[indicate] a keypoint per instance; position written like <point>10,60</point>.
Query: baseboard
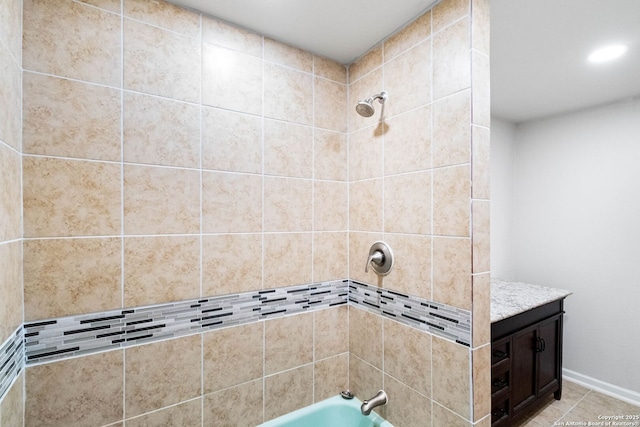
<point>620,393</point>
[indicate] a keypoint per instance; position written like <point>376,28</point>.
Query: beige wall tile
<point>287,259</point>
<point>331,332</point>
<point>146,188</point>
<point>330,205</point>
<point>407,203</point>
<point>63,277</point>
<point>161,62</point>
<point>227,35</point>
<point>288,342</point>
<point>240,406</point>
<point>288,94</point>
<point>480,25</point>
<point>231,263</point>
<point>231,79</point>
<point>364,379</point>
<point>444,417</point>
<point>231,202</point>
<point>82,403</point>
<point>481,237</point>
<point>280,53</point>
<point>365,336</point>
<point>359,244</point>
<point>451,59</point>
<point>110,5</point>
<point>481,89</point>
<point>366,205</point>
<point>406,407</point>
<point>162,373</point>
<point>407,355</point>
<point>11,27</point>
<point>452,130</point>
<point>481,162</point>
<point>366,63</point>
<point>411,273</point>
<point>359,90</point>
<point>414,33</point>
<point>481,382</point>
<point>12,406</point>
<point>330,255</point>
<point>70,197</point>
<point>69,39</point>
<point>188,414</point>
<point>161,269</point>
<point>365,154</point>
<point>11,290</point>
<point>288,391</point>
<point>407,79</point>
<point>449,11</point>
<point>451,201</point>
<point>330,155</point>
<point>165,15</point>
<point>231,141</point>
<point>452,271</point>
<point>10,99</point>
<point>288,204</point>
<point>232,356</point>
<point>329,69</point>
<point>330,377</point>
<point>160,131</point>
<point>10,194</point>
<point>407,142</point>
<point>451,386</point>
<point>481,309</point>
<point>330,105</point>
<point>70,119</point>
<point>288,149</point>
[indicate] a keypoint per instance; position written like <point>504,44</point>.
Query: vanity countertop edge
<point>512,298</point>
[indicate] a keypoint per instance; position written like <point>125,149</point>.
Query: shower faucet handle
<point>380,258</point>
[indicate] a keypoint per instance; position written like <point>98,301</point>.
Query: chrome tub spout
<point>378,400</point>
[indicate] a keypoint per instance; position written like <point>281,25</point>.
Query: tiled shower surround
<point>152,155</point>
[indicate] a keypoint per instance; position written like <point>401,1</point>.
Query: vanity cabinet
<point>526,361</point>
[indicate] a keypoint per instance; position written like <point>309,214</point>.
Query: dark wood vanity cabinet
<point>526,361</point>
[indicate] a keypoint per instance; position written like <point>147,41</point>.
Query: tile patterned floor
<point>579,406</point>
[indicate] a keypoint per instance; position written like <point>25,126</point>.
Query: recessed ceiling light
<point>608,53</point>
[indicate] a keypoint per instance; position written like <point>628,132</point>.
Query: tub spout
<point>378,400</point>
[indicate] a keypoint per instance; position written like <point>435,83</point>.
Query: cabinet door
<point>523,369</point>
<point>548,357</point>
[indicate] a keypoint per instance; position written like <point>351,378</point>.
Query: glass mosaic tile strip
<point>11,360</point>
<point>436,318</point>
<point>71,336</point>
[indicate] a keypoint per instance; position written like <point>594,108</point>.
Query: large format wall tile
<point>239,406</point>
<point>70,39</point>
<point>63,277</point>
<point>10,198</point>
<point>287,343</point>
<point>287,391</point>
<point>288,94</point>
<point>231,263</point>
<point>78,400</point>
<point>412,365</point>
<point>330,251</point>
<point>451,386</point>
<point>288,149</point>
<point>231,203</point>
<point>223,34</point>
<point>10,99</point>
<point>407,79</point>
<point>70,197</point>
<point>12,405</point>
<point>11,289</point>
<point>330,377</point>
<point>165,15</point>
<point>188,414</point>
<point>70,119</point>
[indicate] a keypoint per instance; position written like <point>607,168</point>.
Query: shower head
<point>365,108</point>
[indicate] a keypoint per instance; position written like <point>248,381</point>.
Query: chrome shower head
<point>365,108</point>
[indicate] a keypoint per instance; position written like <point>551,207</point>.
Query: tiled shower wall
<point>419,180</point>
<point>11,406</point>
<point>168,156</point>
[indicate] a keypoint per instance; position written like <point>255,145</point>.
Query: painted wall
<point>166,153</point>
<point>11,306</point>
<point>575,227</point>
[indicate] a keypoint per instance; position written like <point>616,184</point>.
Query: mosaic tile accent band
<point>11,360</point>
<point>439,319</point>
<point>91,333</point>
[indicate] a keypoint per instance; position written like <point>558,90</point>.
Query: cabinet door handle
<point>499,354</point>
<point>544,344</point>
<point>499,412</point>
<point>539,345</point>
<point>500,383</point>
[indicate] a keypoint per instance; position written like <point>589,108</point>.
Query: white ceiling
<point>538,47</point>
<point>539,55</point>
<point>339,29</point>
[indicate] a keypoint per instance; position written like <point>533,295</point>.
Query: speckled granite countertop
<point>511,298</point>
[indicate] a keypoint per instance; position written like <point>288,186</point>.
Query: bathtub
<point>333,412</point>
